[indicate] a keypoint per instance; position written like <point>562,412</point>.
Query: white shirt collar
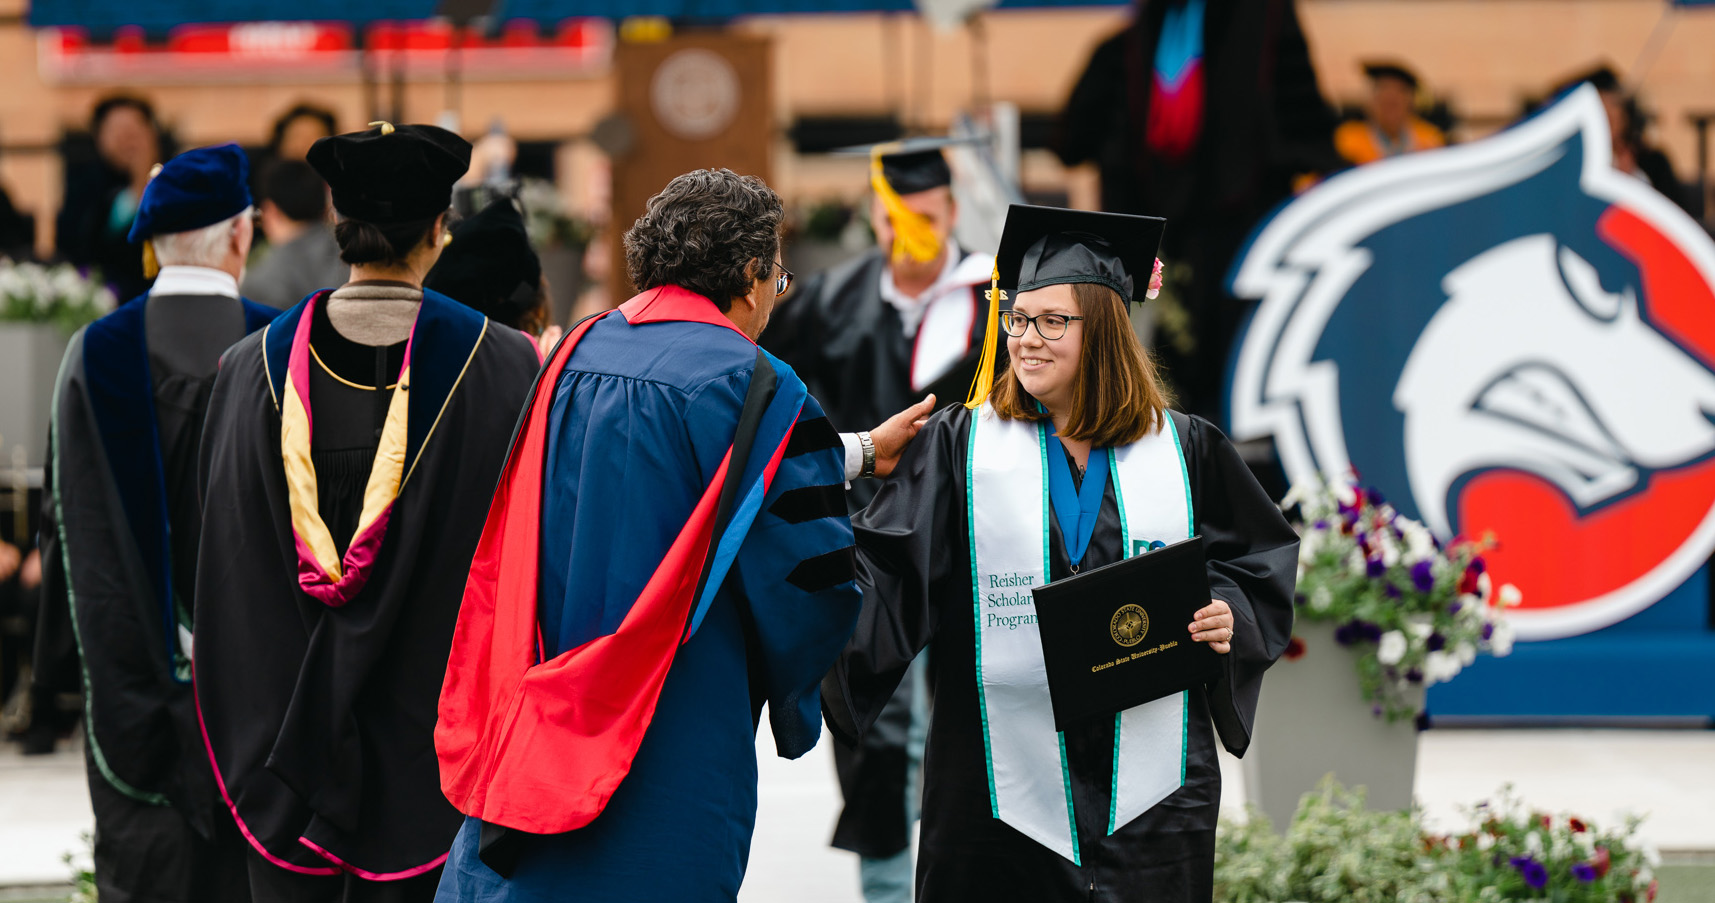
<point>183,280</point>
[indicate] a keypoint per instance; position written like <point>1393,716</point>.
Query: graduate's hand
<point>896,432</point>
<point>1214,625</point>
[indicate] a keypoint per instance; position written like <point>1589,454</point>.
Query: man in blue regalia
<point>668,550</point>
<point>120,533</point>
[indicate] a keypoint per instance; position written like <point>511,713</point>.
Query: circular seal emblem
<point>1129,625</point>
<point>694,94</point>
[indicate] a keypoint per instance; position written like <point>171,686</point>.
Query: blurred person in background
<point>1203,112</point>
<point>1633,152</point>
<point>120,530</point>
<point>102,192</point>
<point>301,255</point>
<point>491,267</point>
<point>871,337</point>
<point>1390,126</point>
<point>350,455</point>
<point>298,129</point>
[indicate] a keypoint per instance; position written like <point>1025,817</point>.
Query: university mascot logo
<point>1507,336</point>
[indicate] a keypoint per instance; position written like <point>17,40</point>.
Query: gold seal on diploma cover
<point>1129,625</point>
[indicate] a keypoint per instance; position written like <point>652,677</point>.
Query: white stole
<point>1006,480</point>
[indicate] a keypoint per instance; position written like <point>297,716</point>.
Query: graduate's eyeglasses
<point>782,280</point>
<point>1048,326</point>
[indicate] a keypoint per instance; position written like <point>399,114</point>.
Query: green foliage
<point>1337,851</point>
<point>82,879</point>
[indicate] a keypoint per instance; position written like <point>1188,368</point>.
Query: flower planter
<point>1312,720</point>
<point>30,356</point>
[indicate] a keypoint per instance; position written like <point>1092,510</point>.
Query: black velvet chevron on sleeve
<point>812,435</point>
<point>808,503</point>
<point>824,571</point>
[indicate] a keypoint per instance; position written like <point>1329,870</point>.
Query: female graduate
<point>1069,462</point>
<point>349,458</point>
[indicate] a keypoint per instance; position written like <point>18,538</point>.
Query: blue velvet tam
<point>197,188</point>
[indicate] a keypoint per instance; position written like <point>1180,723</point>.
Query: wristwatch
<point>868,454</point>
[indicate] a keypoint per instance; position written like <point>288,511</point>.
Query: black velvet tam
<point>490,265</point>
<point>391,174</point>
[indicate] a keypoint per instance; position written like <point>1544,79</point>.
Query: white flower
<point>1391,648</point>
<point>1510,595</point>
<point>1300,492</point>
<point>1440,667</point>
<point>1355,562</point>
<point>1308,545</point>
<point>1501,642</point>
<point>1320,598</point>
<point>1533,843</point>
<point>1586,841</point>
<point>1652,855</point>
<point>1466,653</point>
<point>1343,491</point>
<point>1485,841</point>
<point>1420,626</point>
<point>1483,587</point>
<point>1388,548</point>
<point>1419,544</point>
<point>1559,847</point>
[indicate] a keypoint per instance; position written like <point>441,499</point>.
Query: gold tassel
<point>385,126</point>
<point>151,266</point>
<point>913,234</point>
<point>984,382</point>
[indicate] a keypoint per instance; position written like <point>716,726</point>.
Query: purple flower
<point>1584,872</point>
<point>1392,591</point>
<point>1488,632</point>
<point>1321,525</point>
<point>1299,599</point>
<point>1532,871</point>
<point>1422,577</point>
<point>1368,631</point>
<point>1437,642</point>
<point>1375,498</point>
<point>1345,634</point>
<point>1414,675</point>
<point>1454,607</point>
<point>1374,567</point>
<point>1477,565</point>
<point>1421,722</point>
<point>1376,710</point>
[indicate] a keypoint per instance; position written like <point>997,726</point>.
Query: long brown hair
<point>1117,399</point>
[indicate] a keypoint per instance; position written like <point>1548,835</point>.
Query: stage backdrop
<point>1512,337</point>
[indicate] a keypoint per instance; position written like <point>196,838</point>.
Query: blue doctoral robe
<point>641,419</point>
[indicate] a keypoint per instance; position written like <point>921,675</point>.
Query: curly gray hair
<point>705,232</point>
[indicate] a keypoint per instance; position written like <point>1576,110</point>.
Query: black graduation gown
<point>120,530</point>
<point>915,570</point>
<point>849,346</point>
<point>321,719</point>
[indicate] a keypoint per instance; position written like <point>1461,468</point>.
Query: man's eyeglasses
<point>782,280</point>
<point>1048,326</point>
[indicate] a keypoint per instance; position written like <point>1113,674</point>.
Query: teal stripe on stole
<point>977,604</point>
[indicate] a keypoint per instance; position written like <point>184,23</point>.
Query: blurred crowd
<point>1206,112</point>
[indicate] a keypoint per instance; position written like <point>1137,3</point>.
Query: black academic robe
<point>849,346</point>
<point>120,527</point>
<point>915,570</point>
<point>320,719</point>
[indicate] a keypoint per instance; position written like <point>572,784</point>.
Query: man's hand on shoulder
<point>896,432</point>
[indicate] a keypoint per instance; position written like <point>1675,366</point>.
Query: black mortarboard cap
<point>1391,70</point>
<point>1044,246</point>
<point>490,266</point>
<point>913,164</point>
<point>391,174</point>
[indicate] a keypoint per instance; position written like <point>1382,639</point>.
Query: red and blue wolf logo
<point>1507,336</point>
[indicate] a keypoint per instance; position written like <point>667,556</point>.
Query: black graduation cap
<point>391,174</point>
<point>490,265</point>
<point>1397,71</point>
<point>913,164</point>
<point>1043,246</point>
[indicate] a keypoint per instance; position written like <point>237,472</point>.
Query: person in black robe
<point>120,535</point>
<point>491,267</point>
<point>1212,158</point>
<point>871,337</point>
<point>916,569</point>
<point>335,547</point>
<point>105,175</point>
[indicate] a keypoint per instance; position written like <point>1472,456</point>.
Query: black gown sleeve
<point>905,538</point>
<point>1253,567</point>
<point>1084,125</point>
<point>55,646</point>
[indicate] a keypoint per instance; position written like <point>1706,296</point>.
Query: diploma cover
<point>1114,637</point>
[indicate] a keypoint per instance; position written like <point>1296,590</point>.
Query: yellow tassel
<point>913,234</point>
<point>151,266</point>
<point>984,382</point>
<point>386,127</point>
